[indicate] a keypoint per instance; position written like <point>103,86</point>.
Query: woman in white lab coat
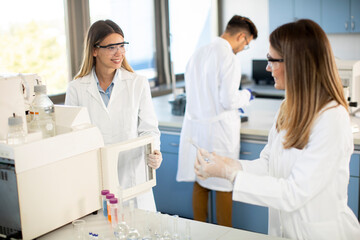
<point>118,100</point>
<point>302,174</point>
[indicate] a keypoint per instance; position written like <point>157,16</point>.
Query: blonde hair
<point>96,33</point>
<point>311,79</point>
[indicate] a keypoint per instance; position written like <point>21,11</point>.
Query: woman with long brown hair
<point>302,174</point>
<point>118,100</point>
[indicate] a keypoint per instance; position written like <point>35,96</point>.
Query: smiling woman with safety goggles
<point>118,101</point>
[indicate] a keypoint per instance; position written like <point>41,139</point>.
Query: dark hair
<point>238,23</point>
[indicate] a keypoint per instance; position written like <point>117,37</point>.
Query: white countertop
<point>261,113</point>
<point>199,230</point>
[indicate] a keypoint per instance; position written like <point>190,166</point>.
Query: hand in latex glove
<point>251,94</point>
<point>155,159</point>
<point>212,165</point>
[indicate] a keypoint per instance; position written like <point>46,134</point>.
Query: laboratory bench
<point>97,223</point>
<point>174,197</point>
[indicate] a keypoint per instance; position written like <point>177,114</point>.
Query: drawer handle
<point>174,144</point>
<point>245,153</point>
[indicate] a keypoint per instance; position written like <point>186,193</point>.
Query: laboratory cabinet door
<point>335,16</point>
<point>354,184</point>
<point>247,216</point>
<point>280,12</point>
<point>355,16</point>
<point>353,195</point>
<point>172,197</point>
<point>309,9</point>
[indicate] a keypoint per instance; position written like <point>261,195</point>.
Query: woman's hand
<point>212,165</point>
<point>154,159</point>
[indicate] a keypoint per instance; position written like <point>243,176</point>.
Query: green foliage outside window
<point>35,48</point>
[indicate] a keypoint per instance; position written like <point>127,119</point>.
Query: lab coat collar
<point>224,42</point>
<point>93,88</point>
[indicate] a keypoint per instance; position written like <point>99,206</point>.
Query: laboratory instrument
<point>108,197</point>
<point>114,211</point>
<point>79,229</point>
<point>16,94</point>
<point>32,174</point>
<point>42,113</point>
<point>16,134</point>
<point>349,71</point>
<point>103,200</point>
<point>208,160</point>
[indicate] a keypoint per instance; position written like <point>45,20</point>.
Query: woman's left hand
<point>155,159</point>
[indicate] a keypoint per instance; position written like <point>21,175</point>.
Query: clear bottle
<point>16,133</point>
<point>42,113</point>
<point>103,201</point>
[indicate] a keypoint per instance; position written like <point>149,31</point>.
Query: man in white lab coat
<point>212,81</point>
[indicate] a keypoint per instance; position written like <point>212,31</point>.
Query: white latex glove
<point>216,166</point>
<point>154,159</point>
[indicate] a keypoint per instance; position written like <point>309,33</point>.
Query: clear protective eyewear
<point>273,63</point>
<point>113,48</point>
<point>246,47</point>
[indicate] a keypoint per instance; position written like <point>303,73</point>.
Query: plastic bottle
<point>16,133</point>
<point>103,201</point>
<point>108,197</point>
<point>114,212</point>
<point>42,112</point>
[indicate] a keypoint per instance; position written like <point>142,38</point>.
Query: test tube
<point>120,204</point>
<point>108,197</point>
<point>103,201</point>
<point>114,212</point>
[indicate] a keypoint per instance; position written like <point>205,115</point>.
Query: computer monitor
<point>259,73</point>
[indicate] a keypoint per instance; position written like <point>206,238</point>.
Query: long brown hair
<point>96,33</point>
<point>311,78</point>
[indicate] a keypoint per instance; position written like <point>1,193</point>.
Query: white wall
<point>345,46</point>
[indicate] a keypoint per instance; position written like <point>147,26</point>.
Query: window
<point>192,25</point>
<point>136,19</point>
<point>33,41</point>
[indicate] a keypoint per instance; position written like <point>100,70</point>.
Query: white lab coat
<point>129,114</point>
<point>212,120</point>
<point>305,190</point>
